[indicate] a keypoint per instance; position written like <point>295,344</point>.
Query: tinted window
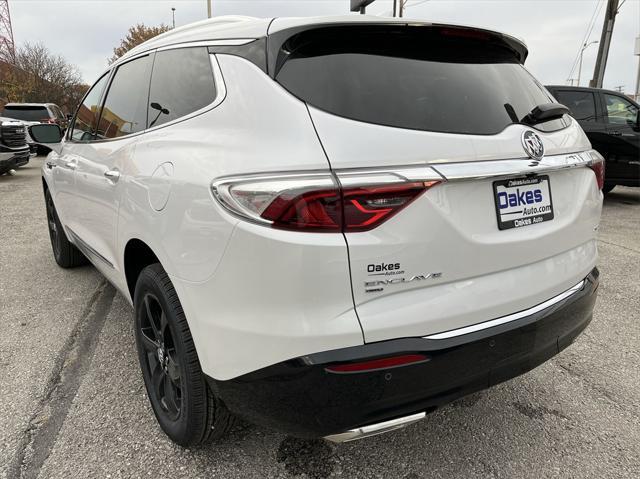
<point>581,103</point>
<point>26,113</point>
<point>182,82</point>
<point>85,120</point>
<point>422,78</point>
<point>619,110</point>
<point>58,112</point>
<point>125,108</point>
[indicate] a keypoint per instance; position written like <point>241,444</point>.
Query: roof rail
<point>221,20</point>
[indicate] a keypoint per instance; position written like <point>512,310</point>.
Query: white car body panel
<point>255,296</point>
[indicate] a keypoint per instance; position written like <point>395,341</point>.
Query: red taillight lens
<point>367,207</point>
<point>310,211</point>
<point>362,208</point>
<point>374,364</point>
<point>598,169</point>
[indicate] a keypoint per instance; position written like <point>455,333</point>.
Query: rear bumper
<point>300,397</point>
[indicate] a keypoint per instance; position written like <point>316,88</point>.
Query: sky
<point>86,31</point>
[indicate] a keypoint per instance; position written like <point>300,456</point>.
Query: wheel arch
<point>137,256</point>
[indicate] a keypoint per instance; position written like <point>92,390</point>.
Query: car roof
<point>237,28</point>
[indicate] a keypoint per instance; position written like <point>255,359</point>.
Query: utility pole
<point>584,47</point>
<point>401,6</point>
<point>173,16</point>
<point>360,5</point>
<point>605,42</point>
<point>208,8</point>
<point>636,52</point>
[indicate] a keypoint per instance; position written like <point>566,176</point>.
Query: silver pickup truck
<point>14,151</point>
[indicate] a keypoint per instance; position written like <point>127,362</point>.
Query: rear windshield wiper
<point>545,112</point>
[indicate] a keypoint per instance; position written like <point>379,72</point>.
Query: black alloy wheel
<point>64,252</point>
<point>186,409</point>
<point>161,357</point>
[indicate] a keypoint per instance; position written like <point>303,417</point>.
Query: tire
<point>608,187</point>
<point>64,252</point>
<point>182,402</point>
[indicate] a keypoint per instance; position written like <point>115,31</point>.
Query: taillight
<point>596,163</point>
<point>376,364</point>
<point>348,202</point>
<point>310,211</point>
<point>367,207</point>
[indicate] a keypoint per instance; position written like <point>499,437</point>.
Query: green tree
<point>135,36</point>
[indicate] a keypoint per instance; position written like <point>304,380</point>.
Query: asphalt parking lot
<point>72,401</point>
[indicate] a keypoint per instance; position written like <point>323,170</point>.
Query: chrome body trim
<point>509,318</point>
<point>354,177</point>
<point>375,429</point>
<point>494,169</point>
<point>88,250</point>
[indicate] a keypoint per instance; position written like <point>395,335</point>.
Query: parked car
<point>612,124</point>
<point>33,113</point>
<point>36,112</point>
<point>328,226</point>
<point>14,151</point>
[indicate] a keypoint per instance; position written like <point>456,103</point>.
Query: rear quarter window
<point>181,83</point>
<point>422,78</point>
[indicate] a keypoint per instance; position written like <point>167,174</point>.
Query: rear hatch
<point>498,230</point>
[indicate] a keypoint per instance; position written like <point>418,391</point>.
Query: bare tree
<point>42,77</point>
<point>135,36</point>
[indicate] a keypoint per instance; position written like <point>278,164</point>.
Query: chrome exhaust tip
<point>375,429</point>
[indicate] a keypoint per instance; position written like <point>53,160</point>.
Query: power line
<point>590,26</point>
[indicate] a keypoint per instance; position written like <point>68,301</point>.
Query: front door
<point>63,166</point>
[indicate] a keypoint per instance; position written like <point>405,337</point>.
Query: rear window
<point>26,113</point>
<point>424,78</point>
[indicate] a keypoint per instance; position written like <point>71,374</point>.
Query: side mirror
<point>46,133</point>
<point>69,117</point>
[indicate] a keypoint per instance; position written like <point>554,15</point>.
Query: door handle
<point>615,133</point>
<point>112,175</point>
<point>71,164</point>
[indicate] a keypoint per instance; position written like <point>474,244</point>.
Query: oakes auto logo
<point>519,198</point>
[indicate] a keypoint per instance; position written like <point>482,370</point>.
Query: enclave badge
<point>533,145</point>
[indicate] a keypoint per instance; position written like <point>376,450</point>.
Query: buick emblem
<point>532,144</point>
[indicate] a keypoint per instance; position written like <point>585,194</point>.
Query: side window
<point>125,108</point>
<point>619,110</point>
<point>581,103</point>
<point>182,82</point>
<point>85,121</point>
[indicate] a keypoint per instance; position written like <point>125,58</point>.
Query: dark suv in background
<point>41,112</point>
<point>611,122</point>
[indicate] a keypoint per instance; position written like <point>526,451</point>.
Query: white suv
<point>328,226</point>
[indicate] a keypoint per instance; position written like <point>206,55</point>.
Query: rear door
<point>98,187</point>
<point>442,107</point>
<point>623,162</point>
